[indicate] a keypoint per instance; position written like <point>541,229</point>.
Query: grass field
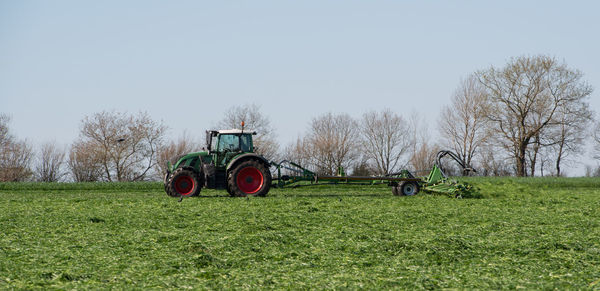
<point>536,233</point>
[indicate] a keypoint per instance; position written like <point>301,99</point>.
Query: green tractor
<point>228,163</point>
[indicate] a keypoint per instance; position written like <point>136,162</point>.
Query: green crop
<point>533,233</point>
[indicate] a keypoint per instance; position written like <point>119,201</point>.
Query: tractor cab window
<point>246,142</point>
<point>233,142</point>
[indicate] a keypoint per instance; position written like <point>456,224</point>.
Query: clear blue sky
<point>185,62</point>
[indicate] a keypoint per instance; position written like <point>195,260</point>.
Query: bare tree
<point>561,139</point>
<point>423,157</point>
<point>591,171</point>
<point>568,135</point>
<point>362,167</point>
<point>386,138</point>
<point>298,152</point>
<point>532,153</point>
<point>332,143</point>
<point>15,155</point>
<point>588,171</point>
<point>424,150</point>
<point>85,162</point>
<point>463,124</point>
<point>265,141</point>
<point>15,161</point>
<point>126,145</point>
<point>5,136</point>
<point>184,144</point>
<point>596,141</point>
<point>49,164</point>
<point>546,161</point>
<point>492,162</point>
<point>524,98</point>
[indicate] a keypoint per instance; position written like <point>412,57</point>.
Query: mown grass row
<point>489,183</point>
<point>94,186</point>
<point>530,233</point>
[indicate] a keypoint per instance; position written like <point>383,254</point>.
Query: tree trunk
<point>467,163</point>
<point>533,162</point>
<point>536,149</point>
<point>520,159</point>
<point>558,159</point>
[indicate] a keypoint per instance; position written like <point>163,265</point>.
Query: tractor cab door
<point>228,146</point>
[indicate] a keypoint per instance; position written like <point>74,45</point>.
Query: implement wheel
<point>249,178</point>
<point>183,182</point>
<point>406,188</point>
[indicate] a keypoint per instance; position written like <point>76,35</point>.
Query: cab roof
<point>233,131</point>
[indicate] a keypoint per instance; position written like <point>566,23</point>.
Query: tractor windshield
<point>233,142</point>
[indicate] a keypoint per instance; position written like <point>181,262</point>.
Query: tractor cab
<point>223,145</point>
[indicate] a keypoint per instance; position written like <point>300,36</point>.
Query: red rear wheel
<point>250,180</point>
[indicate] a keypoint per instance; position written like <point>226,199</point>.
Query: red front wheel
<point>183,182</point>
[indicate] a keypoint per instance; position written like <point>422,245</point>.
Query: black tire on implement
<point>184,182</point>
<point>395,190</point>
<point>249,178</point>
<point>406,188</point>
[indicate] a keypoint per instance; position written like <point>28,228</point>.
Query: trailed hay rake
<point>403,183</point>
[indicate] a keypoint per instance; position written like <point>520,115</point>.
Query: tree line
<point>529,117</point>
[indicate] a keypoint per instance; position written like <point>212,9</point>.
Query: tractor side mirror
<point>208,140</point>
<point>209,136</point>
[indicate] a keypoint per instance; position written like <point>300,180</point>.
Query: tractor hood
<point>188,160</point>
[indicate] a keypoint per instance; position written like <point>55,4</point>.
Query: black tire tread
<point>165,183</point>
<point>396,190</point>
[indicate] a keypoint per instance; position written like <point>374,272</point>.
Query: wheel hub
<point>409,189</point>
<point>184,185</point>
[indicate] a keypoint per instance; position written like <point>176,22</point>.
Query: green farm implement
<point>403,183</point>
<point>230,163</point>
